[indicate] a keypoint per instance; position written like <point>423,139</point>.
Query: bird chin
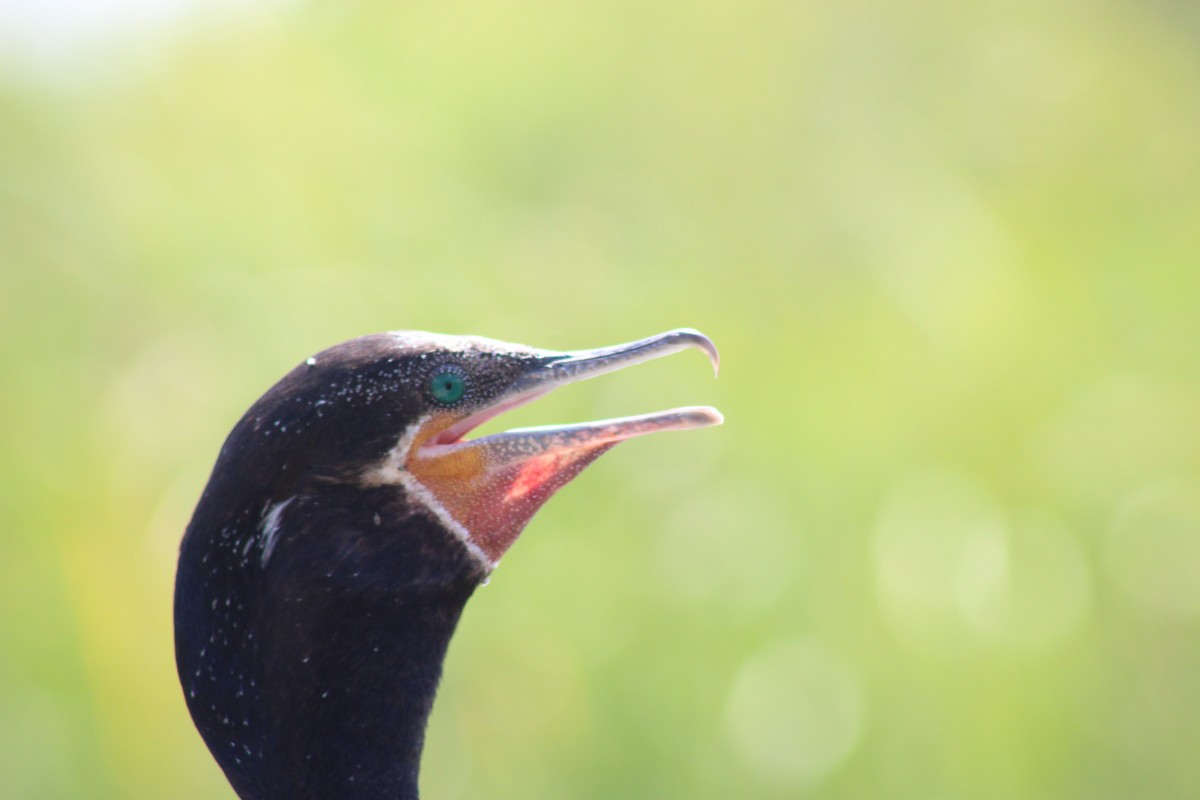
<point>492,486</point>
<point>491,494</point>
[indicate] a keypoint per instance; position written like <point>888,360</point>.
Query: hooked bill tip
<point>698,340</point>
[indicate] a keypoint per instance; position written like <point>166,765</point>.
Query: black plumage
<point>345,525</point>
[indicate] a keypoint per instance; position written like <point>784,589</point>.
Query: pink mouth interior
<point>458,430</point>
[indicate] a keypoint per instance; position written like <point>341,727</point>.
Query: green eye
<point>447,387</point>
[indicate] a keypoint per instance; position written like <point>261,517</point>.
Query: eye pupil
<point>448,387</point>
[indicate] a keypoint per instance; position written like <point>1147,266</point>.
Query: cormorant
<point>345,524</point>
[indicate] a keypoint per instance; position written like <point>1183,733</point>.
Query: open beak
<point>493,485</point>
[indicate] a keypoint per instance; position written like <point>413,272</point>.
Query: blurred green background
<point>947,544</point>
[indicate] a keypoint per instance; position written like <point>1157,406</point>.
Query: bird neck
<point>356,688</point>
<point>311,674</point>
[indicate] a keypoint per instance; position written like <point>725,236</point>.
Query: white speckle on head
<point>270,528</point>
<point>426,340</point>
<point>391,472</point>
<point>312,362</point>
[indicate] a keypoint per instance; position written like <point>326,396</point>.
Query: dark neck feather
<point>312,677</point>
<point>351,695</point>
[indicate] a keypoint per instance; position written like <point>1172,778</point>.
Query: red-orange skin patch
<point>492,498</point>
<point>536,472</point>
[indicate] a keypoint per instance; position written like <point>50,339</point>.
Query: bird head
<point>396,409</point>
